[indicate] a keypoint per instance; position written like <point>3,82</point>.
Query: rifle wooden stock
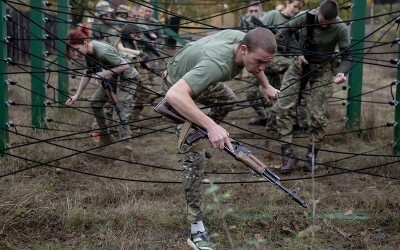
<point>167,111</point>
<point>240,152</point>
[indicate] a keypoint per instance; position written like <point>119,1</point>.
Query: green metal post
<point>3,86</point>
<point>155,4</point>
<point>355,77</point>
<point>396,148</point>
<point>62,29</point>
<point>37,46</point>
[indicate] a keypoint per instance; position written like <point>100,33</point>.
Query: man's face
<point>147,13</point>
<point>257,60</point>
<point>106,17</point>
<point>136,15</point>
<point>123,15</point>
<point>324,23</point>
<point>254,10</point>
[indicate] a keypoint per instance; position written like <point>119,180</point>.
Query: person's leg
<point>97,103</point>
<point>321,91</point>
<point>283,107</point>
<point>125,93</point>
<point>256,101</point>
<point>143,95</point>
<point>275,71</point>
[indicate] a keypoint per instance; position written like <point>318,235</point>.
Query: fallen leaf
<point>343,233</point>
<point>277,166</point>
<point>348,212</point>
<point>101,236</point>
<point>258,236</point>
<point>286,230</point>
<point>295,225</point>
<point>232,228</point>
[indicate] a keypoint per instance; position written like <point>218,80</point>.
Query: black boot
<point>289,160</point>
<point>309,158</point>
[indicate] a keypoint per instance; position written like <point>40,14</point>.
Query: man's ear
<point>243,49</point>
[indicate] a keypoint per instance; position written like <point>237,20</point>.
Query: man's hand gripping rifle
<point>240,152</point>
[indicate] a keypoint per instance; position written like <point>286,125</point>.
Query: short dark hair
<point>329,9</point>
<point>260,38</point>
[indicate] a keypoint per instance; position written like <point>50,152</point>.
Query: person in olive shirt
<point>104,56</point>
<point>328,31</point>
<point>254,9</point>
<point>274,71</point>
<point>196,74</point>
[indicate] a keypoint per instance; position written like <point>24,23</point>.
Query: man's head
<point>136,13</point>
<point>103,10</point>
<point>254,9</point>
<point>122,11</point>
<point>147,12</point>
<point>327,13</point>
<point>257,49</point>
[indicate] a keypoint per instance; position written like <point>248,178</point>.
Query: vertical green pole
<point>3,86</point>
<point>396,149</point>
<point>37,46</point>
<point>62,29</point>
<point>355,77</point>
<point>155,4</point>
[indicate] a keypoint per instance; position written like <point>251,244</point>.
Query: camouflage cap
<point>103,7</point>
<point>122,9</point>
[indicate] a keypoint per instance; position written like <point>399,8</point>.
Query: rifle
<point>110,93</point>
<point>240,152</point>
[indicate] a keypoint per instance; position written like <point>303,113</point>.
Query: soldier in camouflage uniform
<point>196,74</point>
<point>127,44</point>
<point>146,93</point>
<point>254,9</point>
<point>329,32</point>
<point>99,54</point>
<point>102,24</point>
<point>274,71</point>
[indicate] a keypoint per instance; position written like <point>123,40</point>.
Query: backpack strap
<point>309,43</point>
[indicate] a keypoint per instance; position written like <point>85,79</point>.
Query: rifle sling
<point>309,46</point>
<point>204,143</point>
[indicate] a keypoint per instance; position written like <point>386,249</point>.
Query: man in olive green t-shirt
<point>328,31</point>
<point>196,74</point>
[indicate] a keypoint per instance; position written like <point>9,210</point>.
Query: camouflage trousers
<point>124,92</point>
<point>144,92</point>
<point>319,92</point>
<point>221,99</point>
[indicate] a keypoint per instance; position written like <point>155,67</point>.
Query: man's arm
<point>179,96</point>
<point>268,90</point>
<point>345,63</point>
